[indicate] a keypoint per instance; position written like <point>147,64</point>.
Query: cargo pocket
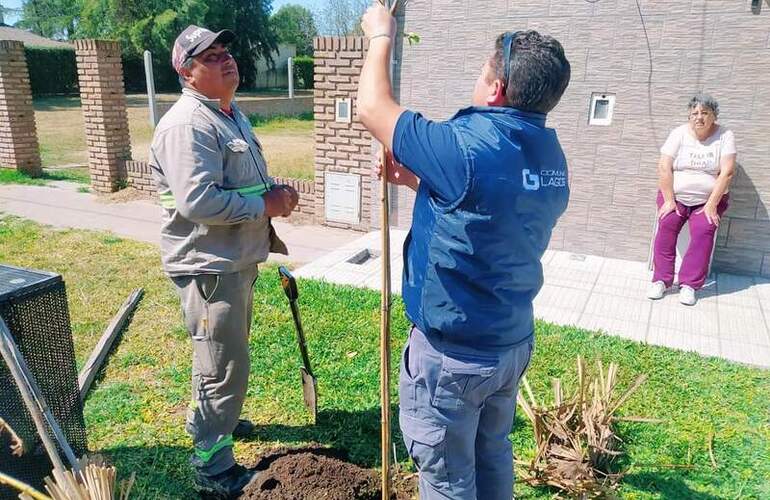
<point>200,326</point>
<point>207,285</point>
<point>462,380</point>
<point>425,444</point>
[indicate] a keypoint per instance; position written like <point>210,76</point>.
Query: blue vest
<point>472,268</point>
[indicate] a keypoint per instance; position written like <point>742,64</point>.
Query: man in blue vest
<point>491,183</point>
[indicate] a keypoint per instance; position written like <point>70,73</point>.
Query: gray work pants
<point>217,311</point>
<point>456,411</point>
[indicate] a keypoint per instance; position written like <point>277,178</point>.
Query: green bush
<point>52,70</point>
<point>135,80</point>
<point>303,72</point>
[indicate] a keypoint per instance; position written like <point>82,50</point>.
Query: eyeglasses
<point>507,52</point>
<point>214,58</point>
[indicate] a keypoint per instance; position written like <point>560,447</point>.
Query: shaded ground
<point>315,472</point>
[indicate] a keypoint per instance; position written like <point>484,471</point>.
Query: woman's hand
<point>710,211</point>
<point>667,208</point>
<point>397,173</point>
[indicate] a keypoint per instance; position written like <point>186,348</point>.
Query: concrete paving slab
<point>683,340</point>
<point>743,325</point>
<point>568,299</point>
<point>623,308</point>
<point>628,286</point>
<point>547,256</point>
<point>744,352</point>
<point>698,321</point>
<point>619,267</point>
<point>617,327</point>
<point>62,205</point>
<point>557,315</point>
<point>570,278</point>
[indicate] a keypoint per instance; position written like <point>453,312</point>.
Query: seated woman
<point>696,165</point>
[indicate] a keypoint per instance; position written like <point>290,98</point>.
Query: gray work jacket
<point>211,175</point>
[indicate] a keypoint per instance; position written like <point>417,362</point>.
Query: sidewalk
<point>729,321</point>
<point>61,205</point>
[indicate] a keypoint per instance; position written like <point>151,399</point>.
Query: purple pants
<point>695,262</point>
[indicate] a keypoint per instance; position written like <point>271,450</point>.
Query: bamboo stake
<point>22,488</point>
<point>385,312</point>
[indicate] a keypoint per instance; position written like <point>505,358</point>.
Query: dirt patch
<point>313,473</point>
<point>124,195</point>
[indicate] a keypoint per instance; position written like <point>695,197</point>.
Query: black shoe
<point>225,485</point>
<point>243,429</point>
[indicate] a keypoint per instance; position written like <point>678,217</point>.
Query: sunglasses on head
<point>507,52</point>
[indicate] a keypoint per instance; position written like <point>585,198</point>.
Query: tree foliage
<point>154,24</point>
<point>295,24</point>
<point>51,18</point>
<point>343,17</point>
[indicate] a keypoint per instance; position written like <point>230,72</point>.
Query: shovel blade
<point>310,392</point>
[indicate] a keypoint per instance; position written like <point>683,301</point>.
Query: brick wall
<point>100,74</point>
<point>717,46</point>
<point>305,211</point>
<point>18,135</point>
<point>139,176</point>
<point>340,147</point>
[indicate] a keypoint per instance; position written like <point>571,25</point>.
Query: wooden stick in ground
<point>385,314</point>
<point>385,338</point>
<point>99,354</point>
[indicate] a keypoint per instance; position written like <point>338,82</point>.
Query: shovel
<point>309,382</point>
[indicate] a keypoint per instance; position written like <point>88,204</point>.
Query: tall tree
<point>295,24</point>
<point>154,24</point>
<point>51,18</point>
<point>343,17</point>
<point>250,20</point>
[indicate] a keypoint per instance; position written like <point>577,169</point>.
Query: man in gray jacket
<point>217,204</point>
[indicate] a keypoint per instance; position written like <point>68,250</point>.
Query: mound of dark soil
<point>318,473</point>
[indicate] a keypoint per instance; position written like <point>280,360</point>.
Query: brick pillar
<point>18,135</point>
<point>100,73</point>
<point>341,147</point>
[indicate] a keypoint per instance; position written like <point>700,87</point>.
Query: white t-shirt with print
<point>696,163</point>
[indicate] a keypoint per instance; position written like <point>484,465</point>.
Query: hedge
<point>52,70</point>
<point>303,72</point>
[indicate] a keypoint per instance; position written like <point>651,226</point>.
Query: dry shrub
<point>97,481</point>
<point>576,441</point>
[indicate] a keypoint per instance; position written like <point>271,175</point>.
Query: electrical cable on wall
<point>649,75</point>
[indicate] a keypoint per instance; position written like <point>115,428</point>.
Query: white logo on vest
<point>530,181</point>
<point>545,179</point>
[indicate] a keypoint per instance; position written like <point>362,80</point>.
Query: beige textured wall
<point>717,46</point>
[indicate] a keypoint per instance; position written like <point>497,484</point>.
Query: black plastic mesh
<point>34,306</point>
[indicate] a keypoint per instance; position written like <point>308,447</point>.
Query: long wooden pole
<point>385,313</point>
<point>385,336</point>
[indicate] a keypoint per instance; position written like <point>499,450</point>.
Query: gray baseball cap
<point>194,40</point>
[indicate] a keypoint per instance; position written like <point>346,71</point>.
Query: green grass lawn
<point>135,414</point>
<point>13,176</point>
